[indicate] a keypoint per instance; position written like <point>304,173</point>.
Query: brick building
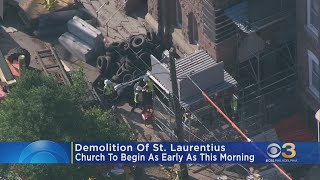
<point>254,38</point>
<point>308,55</point>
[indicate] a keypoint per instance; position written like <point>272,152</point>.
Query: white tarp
<point>1,9</point>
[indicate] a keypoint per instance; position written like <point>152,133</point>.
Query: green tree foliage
<point>39,108</point>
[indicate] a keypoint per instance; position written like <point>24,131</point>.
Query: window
<point>178,14</point>
<point>314,73</point>
<point>193,29</point>
<point>313,16</point>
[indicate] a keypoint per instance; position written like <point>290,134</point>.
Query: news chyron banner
<point>48,152</point>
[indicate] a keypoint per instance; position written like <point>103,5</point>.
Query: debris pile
<point>55,23</point>
<point>128,60</point>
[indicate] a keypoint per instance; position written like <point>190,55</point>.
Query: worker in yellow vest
<point>148,84</point>
<point>108,89</point>
<point>91,178</point>
<point>48,4</point>
<point>148,87</point>
<point>138,98</point>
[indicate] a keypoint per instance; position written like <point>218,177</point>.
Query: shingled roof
<point>203,70</point>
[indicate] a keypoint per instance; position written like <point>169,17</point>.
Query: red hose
<point>240,132</point>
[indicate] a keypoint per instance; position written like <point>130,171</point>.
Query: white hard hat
<point>146,78</point>
<point>107,81</point>
<point>139,88</point>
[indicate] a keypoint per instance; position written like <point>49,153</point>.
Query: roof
<point>228,82</point>
<point>199,66</point>
<point>5,73</point>
<point>194,64</point>
<point>239,14</point>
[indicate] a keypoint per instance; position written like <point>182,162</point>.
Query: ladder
<point>52,66</point>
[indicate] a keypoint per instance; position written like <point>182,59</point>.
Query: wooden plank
<point>38,58</point>
<point>56,70</point>
<point>66,78</point>
<point>52,66</point>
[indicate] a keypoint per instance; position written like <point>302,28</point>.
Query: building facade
<point>254,38</point>
<point>308,55</point>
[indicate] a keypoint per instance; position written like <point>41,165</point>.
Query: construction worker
<point>138,98</point>
<point>148,84</point>
<point>108,89</point>
<point>48,4</point>
<point>186,117</point>
<point>148,87</point>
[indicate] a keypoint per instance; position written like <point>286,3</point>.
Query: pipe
<point>240,132</point>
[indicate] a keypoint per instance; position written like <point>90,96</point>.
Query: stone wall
<point>153,9</point>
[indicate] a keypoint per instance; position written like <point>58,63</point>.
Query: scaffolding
<point>266,98</point>
<point>195,128</point>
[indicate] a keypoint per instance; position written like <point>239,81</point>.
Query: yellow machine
<point>48,4</point>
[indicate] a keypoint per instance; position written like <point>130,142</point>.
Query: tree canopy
<point>38,108</point>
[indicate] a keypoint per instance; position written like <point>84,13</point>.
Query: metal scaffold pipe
<point>240,131</point>
<point>234,126</point>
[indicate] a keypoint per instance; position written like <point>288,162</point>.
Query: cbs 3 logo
<point>43,151</point>
<point>288,150</point>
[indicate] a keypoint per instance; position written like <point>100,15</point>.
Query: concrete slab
<point>76,46</point>
<point>85,32</point>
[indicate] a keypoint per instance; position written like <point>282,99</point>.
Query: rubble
<point>127,61</point>
<point>55,23</point>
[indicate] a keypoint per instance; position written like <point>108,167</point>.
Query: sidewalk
<point>145,134</point>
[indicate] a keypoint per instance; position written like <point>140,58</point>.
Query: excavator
<point>10,68</point>
<point>47,4</point>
